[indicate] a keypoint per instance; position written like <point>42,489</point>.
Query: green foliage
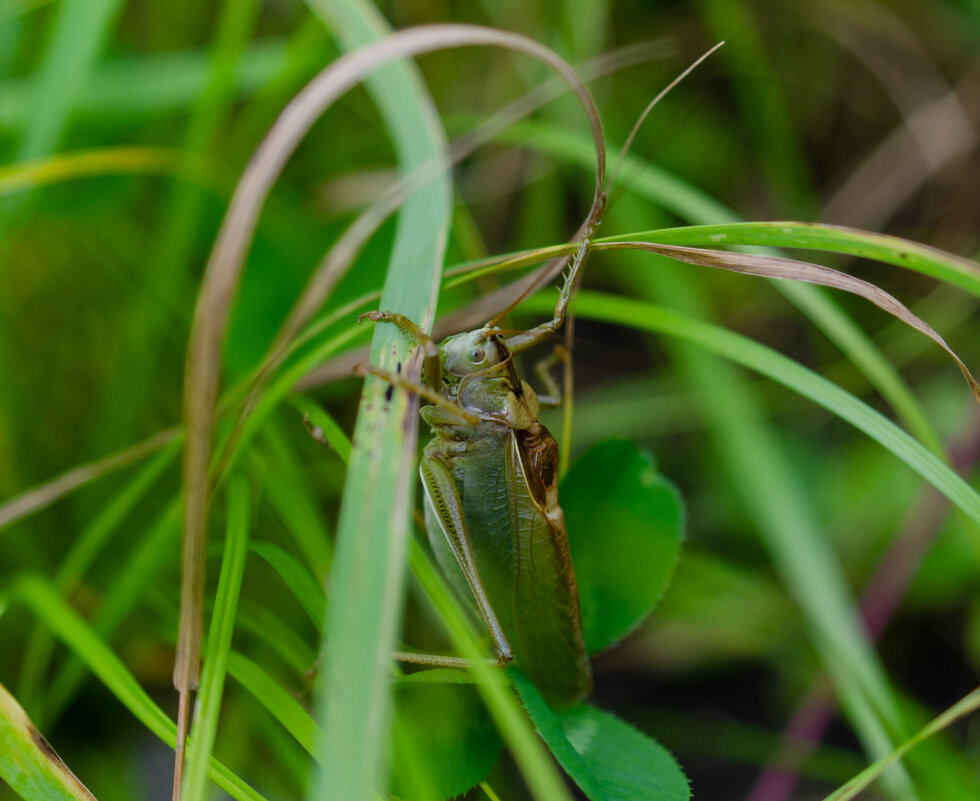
<point>608,759</point>
<point>625,525</point>
<point>124,130</point>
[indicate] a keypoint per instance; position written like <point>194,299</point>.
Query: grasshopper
<point>490,475</point>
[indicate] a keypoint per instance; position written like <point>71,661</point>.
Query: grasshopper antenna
<point>646,112</point>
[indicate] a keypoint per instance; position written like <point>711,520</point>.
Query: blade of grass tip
<point>789,269</point>
<point>965,706</point>
<point>223,271</point>
<point>43,600</point>
<point>216,659</point>
<point>28,764</point>
<point>930,261</point>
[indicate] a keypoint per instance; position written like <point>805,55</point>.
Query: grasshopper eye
<point>477,355</point>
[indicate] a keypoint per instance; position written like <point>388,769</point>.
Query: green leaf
<point>28,764</point>
<point>444,741</point>
<point>625,526</point>
<point>605,756</point>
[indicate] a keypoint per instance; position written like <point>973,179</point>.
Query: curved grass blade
<point>219,642</point>
<point>43,600</point>
<point>28,764</point>
<point>935,263</point>
<point>790,269</point>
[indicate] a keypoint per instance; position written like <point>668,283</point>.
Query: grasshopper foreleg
<point>430,348</point>
<point>421,390</point>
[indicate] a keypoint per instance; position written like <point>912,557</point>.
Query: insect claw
<point>361,369</point>
<point>374,316</point>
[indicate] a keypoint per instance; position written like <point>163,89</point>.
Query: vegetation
<point>771,502</point>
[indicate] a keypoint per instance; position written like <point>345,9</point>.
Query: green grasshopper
<point>490,475</point>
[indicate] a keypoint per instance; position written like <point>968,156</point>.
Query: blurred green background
<point>123,128</point>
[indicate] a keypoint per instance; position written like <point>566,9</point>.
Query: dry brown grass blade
<point>775,267</point>
<point>222,274</point>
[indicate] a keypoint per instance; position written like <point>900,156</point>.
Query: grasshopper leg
<point>543,371</point>
<point>430,348</point>
<point>441,493</point>
<point>419,389</point>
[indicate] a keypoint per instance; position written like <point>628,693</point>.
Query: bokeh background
<point>123,128</point>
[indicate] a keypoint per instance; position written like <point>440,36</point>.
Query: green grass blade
<point>28,764</point>
<point>368,569</point>
<point>216,656</point>
<point>287,485</point>
<point>960,709</point>
<point>80,28</point>
<point>276,700</point>
<point>151,85</point>
<point>43,600</point>
<point>954,270</point>
<point>297,578</point>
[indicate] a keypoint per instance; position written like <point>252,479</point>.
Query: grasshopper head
<point>473,351</point>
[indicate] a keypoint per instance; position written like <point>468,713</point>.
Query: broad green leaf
<point>28,763</point>
<point>444,741</point>
<point>605,756</point>
<point>625,525</point>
